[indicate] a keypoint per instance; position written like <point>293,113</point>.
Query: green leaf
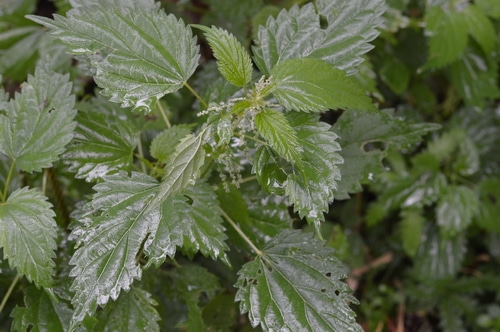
<point>164,144</point>
<point>295,285</point>
<point>313,85</point>
<point>489,7</point>
<point>100,146</point>
<point>275,128</point>
<point>489,209</point>
<point>140,55</point>
<point>132,311</point>
<point>412,228</point>
<point>359,132</point>
<point>298,33</point>
<point>233,60</point>
<point>39,121</point>
<point>190,220</point>
<point>396,75</point>
<point>28,234</point>
<point>42,313</point>
<point>480,28</point>
<point>455,210</point>
<point>312,188</point>
<point>447,31</point>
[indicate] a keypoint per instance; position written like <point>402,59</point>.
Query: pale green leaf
<point>133,4</point>
<point>358,131</point>
<point>489,7</point>
<point>163,145</point>
<point>412,228</point>
<point>39,121</point>
<point>294,285</point>
<point>28,234</point>
<point>132,311</point>
<point>311,188</point>
<point>395,74</point>
<point>100,146</point>
<point>447,31</point>
<point>275,128</point>
<point>480,28</point>
<point>233,60</point>
<point>140,55</point>
<point>313,85</point>
<point>41,313</point>
<point>455,210</point>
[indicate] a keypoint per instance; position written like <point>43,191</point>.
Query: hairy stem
<point>163,114</point>
<point>240,232</point>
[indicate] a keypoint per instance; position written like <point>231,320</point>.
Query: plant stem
<point>9,291</point>
<point>141,153</point>
<point>163,114</point>
<point>7,181</point>
<point>240,232</point>
<point>197,96</point>
<point>44,180</point>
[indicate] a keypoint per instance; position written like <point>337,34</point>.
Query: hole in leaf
<point>255,282</point>
<point>323,290</point>
<point>189,200</point>
<point>323,22</point>
<point>51,110</point>
<point>328,274</point>
<point>259,271</point>
<point>337,292</point>
<point>375,146</point>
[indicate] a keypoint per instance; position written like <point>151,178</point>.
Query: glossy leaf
<point>42,312</point>
<point>28,234</point>
<point>358,131</point>
<point>39,121</point>
<point>295,285</point>
<point>312,85</point>
<point>100,147</point>
<point>455,210</point>
<point>233,60</point>
<point>132,311</point>
<point>161,57</point>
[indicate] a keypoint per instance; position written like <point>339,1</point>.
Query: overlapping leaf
<point>140,55</point>
<point>295,285</point>
<point>233,60</point>
<point>28,234</point>
<point>297,33</point>
<point>100,147</point>
<point>164,144</point>
<point>455,210</point>
<point>312,85</point>
<point>357,130</point>
<point>39,121</point>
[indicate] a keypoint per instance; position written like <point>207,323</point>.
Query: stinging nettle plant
<point>220,186</point>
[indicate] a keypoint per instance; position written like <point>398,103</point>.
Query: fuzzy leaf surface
<point>140,55</point>
<point>28,235</point>
<point>39,121</point>
<point>357,130</point>
<point>132,311</point>
<point>233,60</point>
<point>42,313</point>
<point>100,147</point>
<point>295,285</point>
<point>312,85</point>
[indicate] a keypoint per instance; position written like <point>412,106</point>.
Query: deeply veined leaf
<point>275,128</point>
<point>480,28</point>
<point>455,210</point>
<point>294,285</point>
<point>447,31</point>
<point>140,55</point>
<point>312,85</point>
<point>357,131</point>
<point>298,33</point>
<point>28,234</point>
<point>41,313</point>
<point>233,60</point>
<point>190,220</point>
<point>132,311</point>
<point>100,147</point>
<point>311,188</point>
<point>134,4</point>
<point>39,121</point>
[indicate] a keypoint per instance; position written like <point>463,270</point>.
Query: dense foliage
<point>327,165</point>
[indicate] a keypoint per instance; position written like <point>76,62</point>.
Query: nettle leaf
<point>28,235</point>
<point>359,132</point>
<point>275,128</point>
<point>42,313</point>
<point>480,28</point>
<point>140,54</point>
<point>314,85</point>
<point>39,121</point>
<point>233,60</point>
<point>412,228</point>
<point>164,144</point>
<point>100,146</point>
<point>190,220</point>
<point>298,33</point>
<point>455,210</point>
<point>132,311</point>
<point>489,209</point>
<point>294,284</point>
<point>311,189</point>
<point>447,31</point>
